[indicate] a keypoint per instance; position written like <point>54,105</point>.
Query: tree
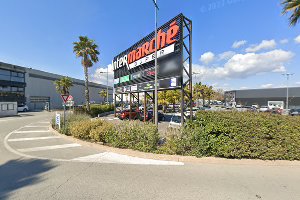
<point>88,51</point>
<point>209,93</point>
<point>200,92</point>
<point>103,94</point>
<point>162,99</point>
<point>173,97</point>
<point>63,85</point>
<point>219,95</point>
<point>293,7</point>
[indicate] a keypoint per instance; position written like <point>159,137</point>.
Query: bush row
<point>217,134</point>
<point>96,109</point>
<point>133,135</point>
<point>238,135</point>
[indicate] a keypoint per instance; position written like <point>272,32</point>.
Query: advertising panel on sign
<point>135,67</point>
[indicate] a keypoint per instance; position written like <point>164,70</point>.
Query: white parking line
<point>49,147</point>
<point>33,138</point>
<point>110,157</point>
<point>37,131</point>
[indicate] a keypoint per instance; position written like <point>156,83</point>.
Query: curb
<point>179,158</point>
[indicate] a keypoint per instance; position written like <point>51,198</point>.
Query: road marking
<point>43,122</point>
<point>33,138</point>
<point>110,157</point>
<point>49,147</point>
<point>37,131</point>
<point>30,126</point>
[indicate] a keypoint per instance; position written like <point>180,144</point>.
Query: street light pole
<point>106,84</point>
<point>155,81</point>
<point>287,88</point>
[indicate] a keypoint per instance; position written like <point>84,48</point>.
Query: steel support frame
<point>186,47</point>
<point>120,98</point>
<point>186,62</point>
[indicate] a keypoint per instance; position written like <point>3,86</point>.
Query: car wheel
<point>25,110</point>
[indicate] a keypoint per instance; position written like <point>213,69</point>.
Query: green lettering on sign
<point>124,79</point>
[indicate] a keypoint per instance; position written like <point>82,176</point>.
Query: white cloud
<point>101,78</point>
<point>284,41</point>
<point>207,57</point>
<point>246,65</point>
<point>238,44</point>
<point>297,83</point>
<point>244,88</point>
<point>226,55</point>
<point>269,85</point>
<point>265,44</point>
<point>297,39</point>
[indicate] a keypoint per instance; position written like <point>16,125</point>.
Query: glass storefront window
<point>5,88</point>
<point>17,79</point>
<point>4,77</point>
<point>4,72</point>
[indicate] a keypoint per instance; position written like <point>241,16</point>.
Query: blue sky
<point>39,34</point>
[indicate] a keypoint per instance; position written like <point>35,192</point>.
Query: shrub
<point>100,133</point>
<point>69,119</point>
<point>99,109</point>
<point>238,135</point>
<point>135,135</point>
<point>95,109</point>
<point>81,129</point>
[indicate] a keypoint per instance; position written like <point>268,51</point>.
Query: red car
<point>126,113</point>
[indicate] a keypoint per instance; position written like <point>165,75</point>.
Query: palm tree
<point>200,92</point>
<point>103,94</point>
<point>63,85</point>
<point>292,6</point>
<point>88,51</point>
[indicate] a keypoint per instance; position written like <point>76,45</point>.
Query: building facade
<point>36,88</point>
<point>262,96</point>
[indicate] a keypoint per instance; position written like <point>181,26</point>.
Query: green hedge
<point>95,109</point>
<point>238,135</point>
<point>133,135</point>
<point>99,109</point>
<point>217,134</point>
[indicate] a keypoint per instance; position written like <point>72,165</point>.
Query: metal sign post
<point>57,119</point>
<point>65,98</point>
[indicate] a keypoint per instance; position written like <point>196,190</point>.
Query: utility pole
<point>107,86</point>
<point>155,81</point>
<point>287,75</point>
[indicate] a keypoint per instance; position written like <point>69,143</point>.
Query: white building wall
<point>43,87</point>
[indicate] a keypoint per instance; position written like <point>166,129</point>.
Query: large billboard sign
<point>134,69</point>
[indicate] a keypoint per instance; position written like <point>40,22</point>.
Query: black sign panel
<point>135,67</point>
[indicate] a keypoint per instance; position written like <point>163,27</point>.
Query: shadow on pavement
<point>16,174</point>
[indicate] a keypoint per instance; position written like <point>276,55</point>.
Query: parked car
<point>175,121</point>
<point>295,112</point>
<point>149,116</point>
<point>23,108</point>
<point>126,113</point>
<point>264,109</point>
<point>161,116</point>
<point>277,111</point>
